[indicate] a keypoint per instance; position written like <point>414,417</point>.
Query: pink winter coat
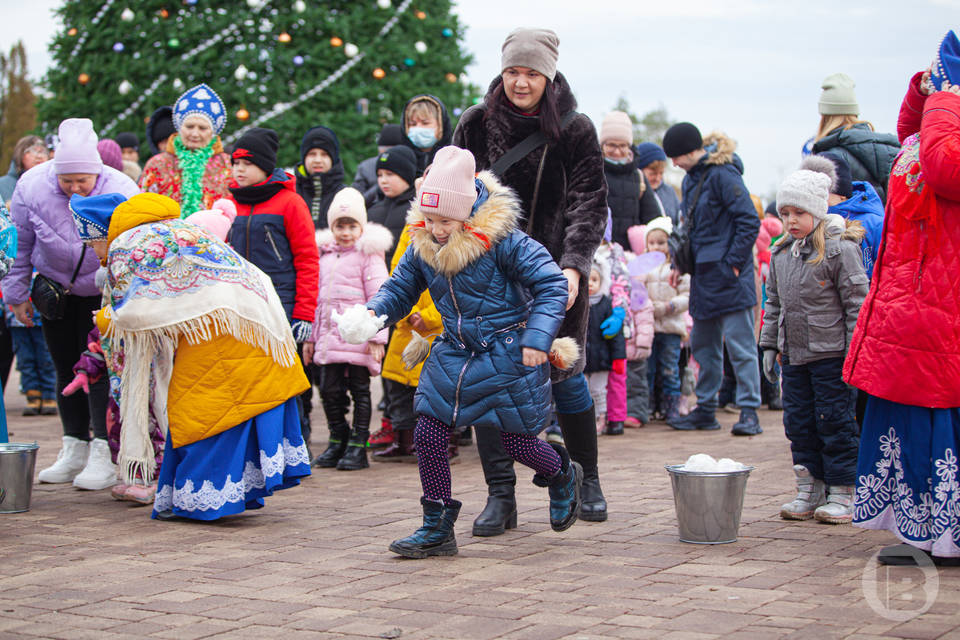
<point>348,276</point>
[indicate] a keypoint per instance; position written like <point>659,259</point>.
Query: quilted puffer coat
<point>905,348</point>
<point>348,276</point>
<point>497,290</point>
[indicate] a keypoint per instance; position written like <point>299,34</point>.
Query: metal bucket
<point>708,503</point>
<point>17,461</point>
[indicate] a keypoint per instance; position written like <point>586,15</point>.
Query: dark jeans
<point>665,360</point>
<point>819,420</point>
<point>335,381</point>
<point>400,405</point>
<point>66,341</point>
<point>33,362</point>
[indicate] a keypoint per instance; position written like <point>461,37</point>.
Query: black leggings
<point>66,340</point>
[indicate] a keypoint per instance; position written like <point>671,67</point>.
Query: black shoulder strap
<point>524,147</point>
<point>696,197</point>
<point>76,271</point>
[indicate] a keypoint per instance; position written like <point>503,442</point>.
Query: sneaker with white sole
<point>70,462</point>
<point>100,472</point>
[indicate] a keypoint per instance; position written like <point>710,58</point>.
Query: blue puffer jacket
<point>725,229</point>
<point>497,290</point>
<point>865,207</point>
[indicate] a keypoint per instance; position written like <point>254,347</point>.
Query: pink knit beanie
<point>448,190</point>
<point>216,220</point>
<point>347,203</point>
<point>617,127</point>
<point>110,153</point>
<point>77,152</point>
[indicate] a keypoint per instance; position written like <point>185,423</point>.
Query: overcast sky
<point>751,68</point>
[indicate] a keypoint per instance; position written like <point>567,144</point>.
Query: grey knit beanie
<point>807,190</point>
<point>838,97</point>
<point>537,49</point>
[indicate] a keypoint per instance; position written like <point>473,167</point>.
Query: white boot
<point>839,507</point>
<point>810,495</point>
<point>100,472</point>
<point>70,462</point>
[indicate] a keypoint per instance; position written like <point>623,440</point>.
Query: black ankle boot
<point>336,447</point>
<point>580,438</point>
<point>355,457</point>
<point>499,514</point>
<point>436,536</point>
<point>565,491</point>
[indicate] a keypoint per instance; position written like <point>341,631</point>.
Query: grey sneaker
<point>810,495</point>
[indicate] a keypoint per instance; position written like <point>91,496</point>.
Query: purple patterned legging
<point>431,438</point>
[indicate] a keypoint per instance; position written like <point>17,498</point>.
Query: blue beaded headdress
<point>92,214</point>
<point>200,100</point>
<point>946,66</point>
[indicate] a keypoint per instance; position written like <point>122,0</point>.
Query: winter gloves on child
<point>612,325</point>
<point>302,331</point>
<point>769,364</point>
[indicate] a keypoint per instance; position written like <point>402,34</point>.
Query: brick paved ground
<point>314,562</point>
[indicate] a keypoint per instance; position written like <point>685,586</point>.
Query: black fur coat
<point>571,209</point>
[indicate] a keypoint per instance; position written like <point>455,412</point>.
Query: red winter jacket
<point>906,347</point>
<point>273,230</point>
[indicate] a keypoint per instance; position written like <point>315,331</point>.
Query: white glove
<point>357,324</point>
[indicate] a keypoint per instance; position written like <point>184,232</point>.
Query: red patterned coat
<point>162,175</point>
<point>906,347</point>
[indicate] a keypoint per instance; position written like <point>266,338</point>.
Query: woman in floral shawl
<point>228,399</point>
<point>192,167</point>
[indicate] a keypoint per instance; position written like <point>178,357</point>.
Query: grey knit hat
<point>807,190</point>
<point>838,97</point>
<point>537,49</point>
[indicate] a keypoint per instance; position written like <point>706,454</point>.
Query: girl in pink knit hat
<point>502,299</point>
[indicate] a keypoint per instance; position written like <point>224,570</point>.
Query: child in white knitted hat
<point>814,292</point>
<point>502,298</point>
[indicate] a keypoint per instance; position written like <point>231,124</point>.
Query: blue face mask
<point>422,137</point>
<point>620,161</point>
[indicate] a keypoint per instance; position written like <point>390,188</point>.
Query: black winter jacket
<point>627,207</point>
<point>330,183</point>
<point>601,351</point>
<point>869,154</point>
<point>392,213</point>
<point>571,212</point>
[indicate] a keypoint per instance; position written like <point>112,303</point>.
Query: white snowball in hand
<point>356,325</point>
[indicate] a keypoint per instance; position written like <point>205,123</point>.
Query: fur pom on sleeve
<point>416,350</point>
<point>564,353</point>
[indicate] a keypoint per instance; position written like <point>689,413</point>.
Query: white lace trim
<point>209,498</point>
<point>885,501</point>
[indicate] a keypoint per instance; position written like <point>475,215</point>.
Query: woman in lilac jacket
<point>48,244</point>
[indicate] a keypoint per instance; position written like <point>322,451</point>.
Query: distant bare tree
<point>18,111</point>
<point>649,127</point>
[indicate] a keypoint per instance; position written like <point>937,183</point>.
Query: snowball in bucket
<point>703,463</point>
<point>356,324</point>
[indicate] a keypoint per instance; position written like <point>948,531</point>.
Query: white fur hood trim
<point>375,239</point>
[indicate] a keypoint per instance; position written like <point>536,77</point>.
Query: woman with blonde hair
<point>841,131</point>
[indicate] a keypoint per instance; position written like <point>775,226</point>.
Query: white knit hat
<point>616,126</point>
<point>448,189</point>
<point>807,190</point>
<point>838,97</point>
<point>663,223</point>
<point>347,203</point>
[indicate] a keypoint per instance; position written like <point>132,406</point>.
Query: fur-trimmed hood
<point>724,148</point>
<point>375,239</point>
<point>493,220</point>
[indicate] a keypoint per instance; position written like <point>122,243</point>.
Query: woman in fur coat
<point>501,297</point>
<point>563,195</point>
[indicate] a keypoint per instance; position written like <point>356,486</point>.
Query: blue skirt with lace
<point>907,475</point>
<point>236,469</point>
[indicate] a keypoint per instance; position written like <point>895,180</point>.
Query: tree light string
<point>83,36</point>
<point>282,108</point>
<point>200,48</point>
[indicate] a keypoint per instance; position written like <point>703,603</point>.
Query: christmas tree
<point>284,64</point>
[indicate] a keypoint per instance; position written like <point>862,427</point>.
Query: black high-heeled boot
<point>500,512</point>
<point>580,438</point>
